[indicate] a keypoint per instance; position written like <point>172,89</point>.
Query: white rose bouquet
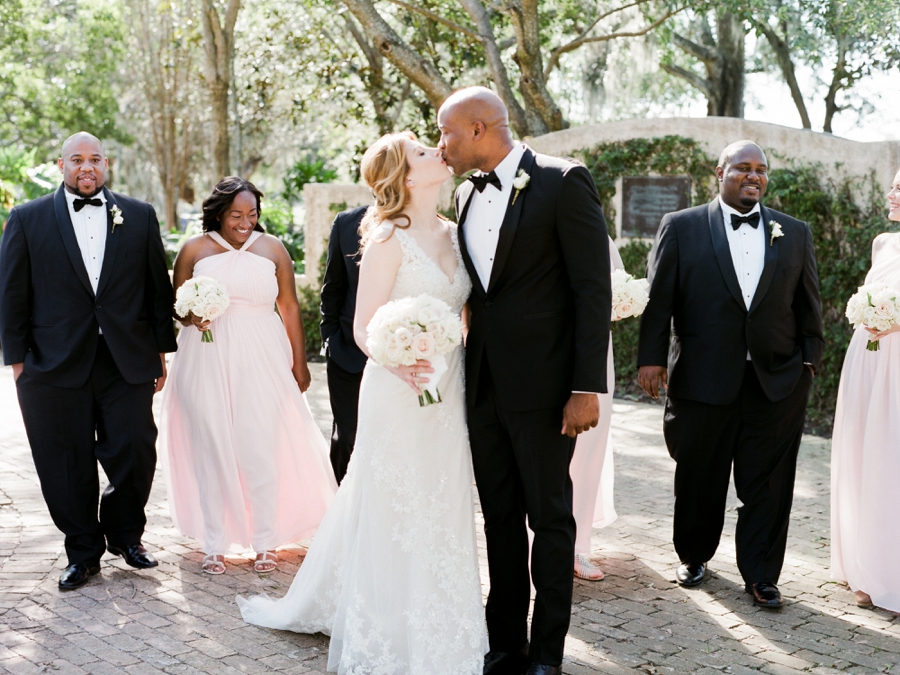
<point>406,330</point>
<point>874,306</point>
<point>629,295</point>
<point>205,297</point>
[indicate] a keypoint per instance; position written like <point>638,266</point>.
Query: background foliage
<point>842,233</point>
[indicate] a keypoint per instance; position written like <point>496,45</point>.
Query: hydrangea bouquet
<point>406,330</point>
<point>205,297</point>
<point>874,306</point>
<point>629,295</point>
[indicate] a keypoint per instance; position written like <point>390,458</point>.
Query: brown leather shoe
<point>765,595</point>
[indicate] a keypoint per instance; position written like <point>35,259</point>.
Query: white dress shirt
<point>748,251</point>
<point>90,231</point>
<point>485,215</point>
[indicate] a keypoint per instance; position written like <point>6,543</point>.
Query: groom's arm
<point>15,282</point>
<point>583,236</point>
<point>160,295</point>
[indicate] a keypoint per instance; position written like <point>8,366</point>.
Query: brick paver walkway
<point>175,619</point>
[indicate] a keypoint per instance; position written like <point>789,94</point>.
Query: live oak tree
<point>506,41</point>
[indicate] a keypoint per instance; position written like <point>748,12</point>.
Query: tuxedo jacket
<point>50,316</point>
<point>339,291</point>
<point>542,324</point>
<point>694,293</point>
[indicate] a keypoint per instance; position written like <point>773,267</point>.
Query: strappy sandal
<point>585,569</point>
<point>214,564</point>
<point>266,561</point>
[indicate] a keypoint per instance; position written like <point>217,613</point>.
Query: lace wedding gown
<point>392,574</point>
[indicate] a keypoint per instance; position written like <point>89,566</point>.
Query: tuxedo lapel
<point>112,243</point>
<point>464,197</point>
<point>770,261</point>
<point>511,221</point>
<point>67,232</point>
<point>723,251</point>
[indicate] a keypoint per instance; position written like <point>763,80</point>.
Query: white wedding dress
<point>392,574</point>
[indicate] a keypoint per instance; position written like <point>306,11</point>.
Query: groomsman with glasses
<point>735,285</point>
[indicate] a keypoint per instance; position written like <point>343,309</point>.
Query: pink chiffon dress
<point>865,455</point>
<point>244,461</point>
<point>592,469</point>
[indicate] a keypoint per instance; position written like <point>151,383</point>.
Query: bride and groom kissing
<point>392,574</point>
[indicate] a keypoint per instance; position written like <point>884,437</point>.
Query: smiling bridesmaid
<point>244,459</point>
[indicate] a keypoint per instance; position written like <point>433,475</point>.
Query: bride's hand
<point>878,334</point>
<point>412,374</point>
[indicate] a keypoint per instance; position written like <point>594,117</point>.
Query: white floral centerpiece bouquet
<point>629,295</point>
<point>205,297</point>
<point>874,306</point>
<point>406,330</point>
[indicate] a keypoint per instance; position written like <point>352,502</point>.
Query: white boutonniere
<point>775,231</point>
<point>116,213</point>
<point>520,182</point>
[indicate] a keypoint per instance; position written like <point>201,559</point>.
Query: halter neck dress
<point>244,461</point>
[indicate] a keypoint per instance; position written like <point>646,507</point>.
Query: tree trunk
<point>723,58</point>
<point>728,71</point>
<point>786,64</point>
<point>218,47</point>
<point>838,77</point>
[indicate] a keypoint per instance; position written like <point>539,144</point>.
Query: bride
<point>392,574</point>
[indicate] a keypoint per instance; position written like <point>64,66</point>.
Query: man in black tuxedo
<point>534,241</point>
<point>345,361</point>
<point>85,321</point>
<point>736,284</point>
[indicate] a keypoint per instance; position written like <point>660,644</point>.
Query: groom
<point>85,321</point>
<point>736,283</point>
<point>535,244</point>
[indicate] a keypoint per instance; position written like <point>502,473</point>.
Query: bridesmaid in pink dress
<point>865,449</point>
<point>592,469</point>
<point>244,460</point>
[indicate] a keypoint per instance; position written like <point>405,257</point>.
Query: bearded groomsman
<point>85,322</point>
<point>345,361</point>
<point>737,286</point>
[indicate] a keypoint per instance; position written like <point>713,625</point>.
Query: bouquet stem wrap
<point>430,393</point>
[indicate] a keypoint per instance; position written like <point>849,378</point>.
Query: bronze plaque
<point>646,199</point>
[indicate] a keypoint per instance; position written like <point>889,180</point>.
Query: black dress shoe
<point>135,555</point>
<point>506,663</point>
<point>76,575</point>
<point>543,669</point>
<point>690,574</point>
<point>765,595</point>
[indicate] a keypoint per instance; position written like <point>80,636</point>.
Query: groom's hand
<point>581,413</point>
<point>651,377</point>
<point>17,370</point>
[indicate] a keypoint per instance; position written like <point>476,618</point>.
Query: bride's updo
<point>384,169</point>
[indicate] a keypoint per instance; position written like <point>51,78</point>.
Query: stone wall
<point>840,157</point>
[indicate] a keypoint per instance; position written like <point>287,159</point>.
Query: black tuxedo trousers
<point>70,430</point>
<point>760,439</point>
<point>521,463</point>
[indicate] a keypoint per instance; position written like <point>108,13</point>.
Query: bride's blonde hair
<point>384,169</point>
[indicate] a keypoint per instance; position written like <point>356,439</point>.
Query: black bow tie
<point>752,220</point>
<point>483,179</point>
<point>81,202</point>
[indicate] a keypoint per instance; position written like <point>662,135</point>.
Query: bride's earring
<point>410,183</point>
